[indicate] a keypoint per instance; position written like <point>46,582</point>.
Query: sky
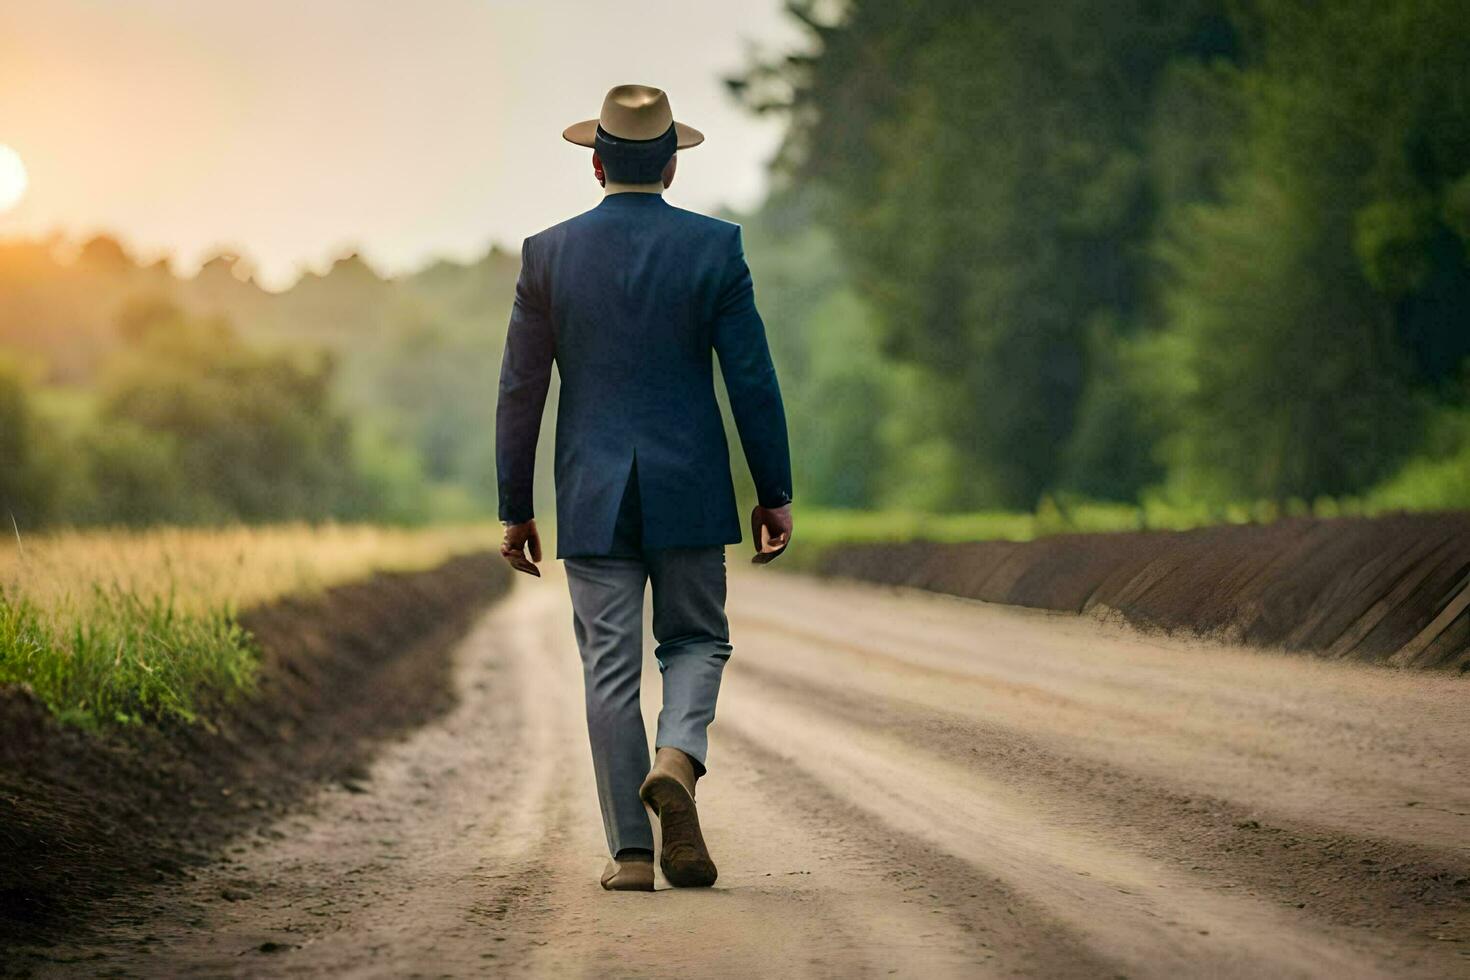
<point>294,131</point>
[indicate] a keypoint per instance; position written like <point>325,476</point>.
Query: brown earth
<point>900,784</point>
<point>86,817</point>
<point>1392,590</point>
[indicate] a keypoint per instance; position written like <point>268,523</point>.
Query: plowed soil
<point>85,817</point>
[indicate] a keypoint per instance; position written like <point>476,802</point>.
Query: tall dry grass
<point>206,569</point>
<point>128,626</point>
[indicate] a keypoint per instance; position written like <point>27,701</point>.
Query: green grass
<point>819,529</point>
<point>138,627</point>
<point>823,528</point>
<point>132,659</point>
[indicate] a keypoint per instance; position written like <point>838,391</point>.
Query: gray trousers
<point>693,644</point>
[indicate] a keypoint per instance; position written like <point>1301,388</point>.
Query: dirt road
<point>900,785</point>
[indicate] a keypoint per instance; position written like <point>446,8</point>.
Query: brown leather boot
<point>669,792</point>
<point>629,872</point>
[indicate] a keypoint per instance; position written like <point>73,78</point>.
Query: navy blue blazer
<point>631,300</point>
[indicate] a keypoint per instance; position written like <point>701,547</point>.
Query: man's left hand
<point>521,539</point>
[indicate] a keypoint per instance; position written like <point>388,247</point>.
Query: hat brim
<point>584,133</point>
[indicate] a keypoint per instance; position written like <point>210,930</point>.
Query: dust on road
<point>900,785</point>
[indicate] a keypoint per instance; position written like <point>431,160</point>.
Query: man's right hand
<point>519,540</point>
<point>771,529</point>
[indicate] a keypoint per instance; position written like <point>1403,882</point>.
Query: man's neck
<point>613,187</point>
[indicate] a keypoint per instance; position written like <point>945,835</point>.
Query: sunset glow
<point>13,178</point>
<point>416,134</point>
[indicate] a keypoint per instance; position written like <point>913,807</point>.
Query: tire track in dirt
<point>1103,739</point>
<point>1130,909</point>
<point>1372,752</point>
<point>1396,888</point>
<point>1006,932</point>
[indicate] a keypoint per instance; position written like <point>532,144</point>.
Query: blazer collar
<point>635,199</point>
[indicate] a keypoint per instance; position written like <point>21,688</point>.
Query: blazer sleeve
<point>525,374</point>
<point>750,380</point>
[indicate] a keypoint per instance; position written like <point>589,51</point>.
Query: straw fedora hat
<point>633,112</point>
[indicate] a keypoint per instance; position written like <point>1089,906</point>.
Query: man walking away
<point>632,300</point>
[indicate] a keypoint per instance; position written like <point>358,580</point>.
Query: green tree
<point>826,346</point>
<point>256,434</point>
<point>989,178</point>
<point>26,488</point>
<point>1321,303</point>
<point>126,474</point>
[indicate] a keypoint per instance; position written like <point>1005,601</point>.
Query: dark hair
<point>635,161</point>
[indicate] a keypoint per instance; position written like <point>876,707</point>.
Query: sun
<point>13,178</point>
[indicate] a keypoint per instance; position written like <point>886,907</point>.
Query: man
<point>633,300</point>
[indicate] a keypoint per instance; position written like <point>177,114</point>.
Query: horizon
<point>66,250</point>
<point>240,131</point>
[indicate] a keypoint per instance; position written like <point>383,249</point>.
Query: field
<point>110,627</point>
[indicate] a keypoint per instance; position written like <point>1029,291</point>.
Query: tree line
<point>1208,250</point>
<point>131,395</point>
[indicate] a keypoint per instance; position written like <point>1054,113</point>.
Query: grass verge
<point>821,529</point>
<point>112,628</point>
